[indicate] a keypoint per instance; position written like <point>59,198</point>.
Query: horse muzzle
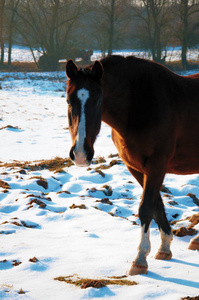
<point>82,158</point>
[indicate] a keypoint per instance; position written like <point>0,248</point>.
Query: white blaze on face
<point>83,96</point>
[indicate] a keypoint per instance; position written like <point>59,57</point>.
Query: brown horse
<point>154,115</point>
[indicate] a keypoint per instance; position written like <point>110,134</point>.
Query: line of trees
<point>54,27</point>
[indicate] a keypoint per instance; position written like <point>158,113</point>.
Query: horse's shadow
<point>183,282</point>
<point>179,261</point>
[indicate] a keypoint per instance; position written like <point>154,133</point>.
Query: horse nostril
<point>89,154</point>
<point>71,154</point>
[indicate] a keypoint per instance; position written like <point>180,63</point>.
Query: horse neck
<point>113,115</point>
<point>114,110</point>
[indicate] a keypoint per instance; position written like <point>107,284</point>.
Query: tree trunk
<point>184,17</point>
<point>10,47</point>
<point>13,9</point>
<point>2,5</point>
<point>111,28</point>
<point>2,51</point>
<point>154,12</point>
<point>52,52</point>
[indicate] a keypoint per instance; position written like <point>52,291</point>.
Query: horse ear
<point>71,69</point>
<point>97,70</point>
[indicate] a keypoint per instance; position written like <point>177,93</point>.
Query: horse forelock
<point>85,71</point>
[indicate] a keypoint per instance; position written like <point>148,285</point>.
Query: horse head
<point>84,98</point>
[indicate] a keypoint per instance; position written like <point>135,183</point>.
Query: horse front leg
<point>194,243</point>
<point>139,265</point>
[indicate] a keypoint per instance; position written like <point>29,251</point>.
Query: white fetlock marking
<point>165,242</point>
<point>144,247</point>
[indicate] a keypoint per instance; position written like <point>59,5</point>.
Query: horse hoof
<point>163,255</point>
<point>194,245</point>
<point>137,269</point>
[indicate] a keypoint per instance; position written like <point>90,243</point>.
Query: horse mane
<point>130,61</point>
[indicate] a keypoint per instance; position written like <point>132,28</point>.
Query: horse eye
<point>99,101</point>
<point>68,101</point>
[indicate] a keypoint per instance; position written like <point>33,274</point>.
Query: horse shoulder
<point>133,151</point>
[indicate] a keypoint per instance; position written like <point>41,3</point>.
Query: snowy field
<point>70,222</point>
<point>172,53</point>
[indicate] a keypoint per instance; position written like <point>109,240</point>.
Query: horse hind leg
<point>151,207</point>
<point>164,252</point>
<point>194,243</point>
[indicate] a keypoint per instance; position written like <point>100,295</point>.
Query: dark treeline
<point>60,28</point>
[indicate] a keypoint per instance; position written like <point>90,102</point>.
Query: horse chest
<point>128,151</point>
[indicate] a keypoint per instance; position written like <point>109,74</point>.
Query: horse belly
<point>186,158</point>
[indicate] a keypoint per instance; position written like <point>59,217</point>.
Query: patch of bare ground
<point>43,182</point>
<point>105,201</point>
<point>99,160</point>
<point>81,206</point>
<point>164,189</point>
<point>113,155</point>
<point>17,222</point>
<point>33,260</point>
<point>84,283</point>
<point>21,292</point>
<point>100,173</point>
<point>175,66</point>
<point>172,202</point>
<point>194,219</point>
<point>63,192</point>
<point>190,230</point>
<point>183,231</point>
<point>36,199</point>
<point>106,189</point>
<point>39,197</point>
<point>4,185</point>
<point>56,164</point>
<point>10,127</point>
<point>111,164</point>
<point>30,67</point>
<point>194,198</point>
<point>40,203</point>
<point>15,262</point>
<point>190,298</point>
<point>20,67</point>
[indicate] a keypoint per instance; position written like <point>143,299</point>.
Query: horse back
<point>153,112</point>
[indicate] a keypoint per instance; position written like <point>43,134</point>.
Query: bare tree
<point>46,24</point>
<point>11,13</point>
<point>111,15</point>
<point>108,23</point>
<point>155,17</point>
<point>2,8</point>
<point>185,9</point>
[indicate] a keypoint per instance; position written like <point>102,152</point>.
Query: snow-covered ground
<point>61,222</point>
<point>172,54</point>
